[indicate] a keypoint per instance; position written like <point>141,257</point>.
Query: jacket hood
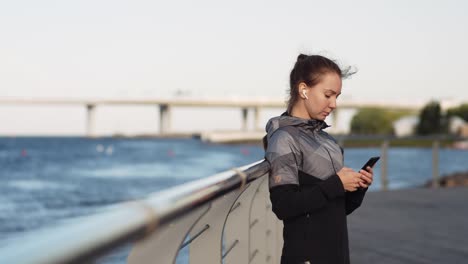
<point>286,120</point>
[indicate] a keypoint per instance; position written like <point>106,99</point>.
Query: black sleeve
<point>289,200</point>
<point>354,199</point>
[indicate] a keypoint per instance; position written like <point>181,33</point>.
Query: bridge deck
<point>411,226</point>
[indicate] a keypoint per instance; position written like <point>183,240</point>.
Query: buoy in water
<point>170,153</point>
<point>24,153</point>
<point>110,150</point>
<point>99,148</point>
<point>245,151</point>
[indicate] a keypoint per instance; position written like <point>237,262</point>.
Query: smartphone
<point>371,162</point>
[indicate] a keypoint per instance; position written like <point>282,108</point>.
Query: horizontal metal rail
<point>85,238</point>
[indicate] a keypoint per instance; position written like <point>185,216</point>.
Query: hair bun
<point>301,57</point>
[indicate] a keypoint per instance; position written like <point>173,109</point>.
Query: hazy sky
<point>73,49</point>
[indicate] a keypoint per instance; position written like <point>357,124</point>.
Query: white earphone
<point>304,93</point>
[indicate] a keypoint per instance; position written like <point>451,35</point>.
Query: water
<point>45,179</point>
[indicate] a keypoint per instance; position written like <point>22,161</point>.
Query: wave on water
<point>193,167</point>
<point>38,185</point>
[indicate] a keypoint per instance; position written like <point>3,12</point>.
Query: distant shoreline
<point>350,141</point>
<point>255,138</point>
<point>400,142</point>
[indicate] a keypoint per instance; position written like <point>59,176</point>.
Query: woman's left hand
<point>367,176</point>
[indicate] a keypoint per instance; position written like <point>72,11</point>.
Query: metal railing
<point>225,218</point>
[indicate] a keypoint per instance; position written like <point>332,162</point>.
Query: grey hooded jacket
<point>305,191</point>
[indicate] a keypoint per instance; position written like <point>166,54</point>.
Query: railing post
<point>384,179</point>
<point>435,164</point>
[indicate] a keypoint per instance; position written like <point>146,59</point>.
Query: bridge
<point>245,105</point>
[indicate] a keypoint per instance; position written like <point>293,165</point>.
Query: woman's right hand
<point>349,178</point>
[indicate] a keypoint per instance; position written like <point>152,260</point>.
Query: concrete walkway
<point>411,226</point>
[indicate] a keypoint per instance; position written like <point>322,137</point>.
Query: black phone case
<point>371,162</point>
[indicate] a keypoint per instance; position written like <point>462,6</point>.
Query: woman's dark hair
<point>309,69</point>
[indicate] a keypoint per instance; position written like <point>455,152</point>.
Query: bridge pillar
<point>334,125</point>
<point>90,114</point>
<point>257,118</point>
<point>164,118</point>
<point>245,112</point>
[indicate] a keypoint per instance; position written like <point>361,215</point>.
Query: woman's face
<point>322,97</point>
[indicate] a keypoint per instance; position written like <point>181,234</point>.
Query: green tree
<point>371,121</point>
<point>431,120</point>
<point>376,120</point>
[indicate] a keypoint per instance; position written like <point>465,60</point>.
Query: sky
<point>403,50</point>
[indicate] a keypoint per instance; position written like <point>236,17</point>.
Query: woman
<point>310,189</point>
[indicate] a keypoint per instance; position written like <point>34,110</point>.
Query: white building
<point>456,124</point>
<point>405,126</point>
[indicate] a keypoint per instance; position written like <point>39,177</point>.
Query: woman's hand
<point>351,180</point>
<point>367,176</point>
